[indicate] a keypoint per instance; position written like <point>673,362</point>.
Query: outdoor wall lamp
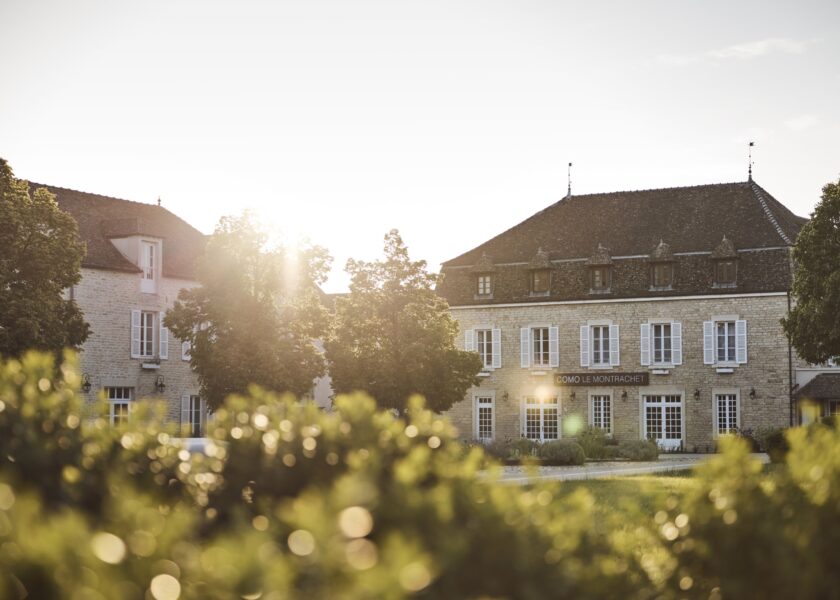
<point>159,384</point>
<point>696,393</point>
<point>624,395</point>
<point>752,393</point>
<point>86,385</point>
<point>572,395</point>
<point>505,396</point>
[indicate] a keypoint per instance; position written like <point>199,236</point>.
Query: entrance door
<point>664,420</point>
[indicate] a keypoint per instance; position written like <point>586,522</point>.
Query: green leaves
<point>41,257</point>
<point>393,335</point>
<point>814,322</point>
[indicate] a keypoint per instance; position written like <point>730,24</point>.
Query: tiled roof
<point>101,218</point>
<point>688,219</point>
<point>821,387</point>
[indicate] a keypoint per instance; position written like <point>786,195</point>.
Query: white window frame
<point>143,334</point>
<point>150,263</point>
<point>193,405</point>
<point>119,396</point>
<point>588,345</point>
<point>710,341</point>
<point>656,399</point>
<point>491,353</point>
<point>831,407</point>
<point>648,343</point>
<point>484,400</point>
<point>597,396</point>
<point>540,356</point>
<point>727,395</point>
<point>484,285</point>
<point>541,406</point>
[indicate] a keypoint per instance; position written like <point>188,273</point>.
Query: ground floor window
<point>663,419</point>
<point>484,417</point>
<point>193,413</point>
<point>832,408</point>
<point>726,413</point>
<point>542,419</point>
<point>602,412</point>
<point>119,403</point>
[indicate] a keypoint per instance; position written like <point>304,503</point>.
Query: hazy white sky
<point>449,120</point>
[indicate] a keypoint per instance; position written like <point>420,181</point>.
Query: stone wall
<point>107,299</point>
<point>766,369</point>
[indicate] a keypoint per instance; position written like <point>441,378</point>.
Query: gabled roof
<point>101,218</point>
<point>822,387</point>
<point>688,219</point>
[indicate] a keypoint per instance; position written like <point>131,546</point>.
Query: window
<point>539,347</point>
<point>726,413</point>
<point>832,408</point>
<point>484,417</point>
<point>663,275</point>
<point>119,404</point>
<point>540,281</point>
<point>539,344</point>
<point>726,272</point>
<point>599,279</point>
<point>663,420</point>
<point>484,342</point>
<point>149,266</point>
<point>147,330</point>
<point>193,415</point>
<point>485,285</point>
<point>661,343</point>
<point>488,343</point>
<point>725,341</point>
<point>599,345</point>
<point>602,412</point>
<point>542,419</point>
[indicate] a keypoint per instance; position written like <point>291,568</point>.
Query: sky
<point>336,121</point>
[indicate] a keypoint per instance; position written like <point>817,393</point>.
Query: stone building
<point>139,256</point>
<point>651,314</point>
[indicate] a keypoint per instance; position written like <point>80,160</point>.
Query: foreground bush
<point>638,450</point>
<point>290,502</point>
<point>561,452</point>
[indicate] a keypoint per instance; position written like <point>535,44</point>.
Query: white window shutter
<point>164,338</point>
<point>676,343</point>
<point>522,416</point>
<point>525,347</point>
<point>614,346</point>
<point>469,340</point>
<point>553,347</point>
<point>708,342</point>
<point>497,348</point>
<point>584,345</point>
<point>186,347</point>
<point>135,334</point>
<point>185,412</point>
<point>644,339</point>
<point>741,342</point>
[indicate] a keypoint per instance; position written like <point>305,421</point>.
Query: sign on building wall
<point>601,379</point>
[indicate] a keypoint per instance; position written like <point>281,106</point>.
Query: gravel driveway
<point>599,470</point>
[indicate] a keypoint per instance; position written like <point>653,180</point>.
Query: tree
<point>814,322</point>
<point>393,335</point>
<point>41,257</point>
<point>254,316</point>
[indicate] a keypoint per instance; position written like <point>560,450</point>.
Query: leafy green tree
<point>394,337</point>
<point>255,315</point>
<point>41,256</point>
<point>814,322</point>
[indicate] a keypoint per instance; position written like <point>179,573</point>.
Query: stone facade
<point>107,299</point>
<point>766,370</point>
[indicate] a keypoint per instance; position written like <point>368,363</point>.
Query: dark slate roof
<point>689,219</point>
<point>101,218</point>
<point>821,387</point>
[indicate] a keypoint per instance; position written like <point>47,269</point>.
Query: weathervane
<point>569,175</point>
<point>749,171</point>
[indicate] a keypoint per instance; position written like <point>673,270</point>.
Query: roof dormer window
<point>540,274</point>
<point>662,267</point>
<point>725,259</point>
<point>600,271</point>
<point>149,266</point>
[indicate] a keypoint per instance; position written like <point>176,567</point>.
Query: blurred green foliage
<point>291,502</point>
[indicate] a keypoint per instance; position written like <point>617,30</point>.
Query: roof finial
<point>158,200</point>
<point>749,171</point>
<point>569,192</point>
